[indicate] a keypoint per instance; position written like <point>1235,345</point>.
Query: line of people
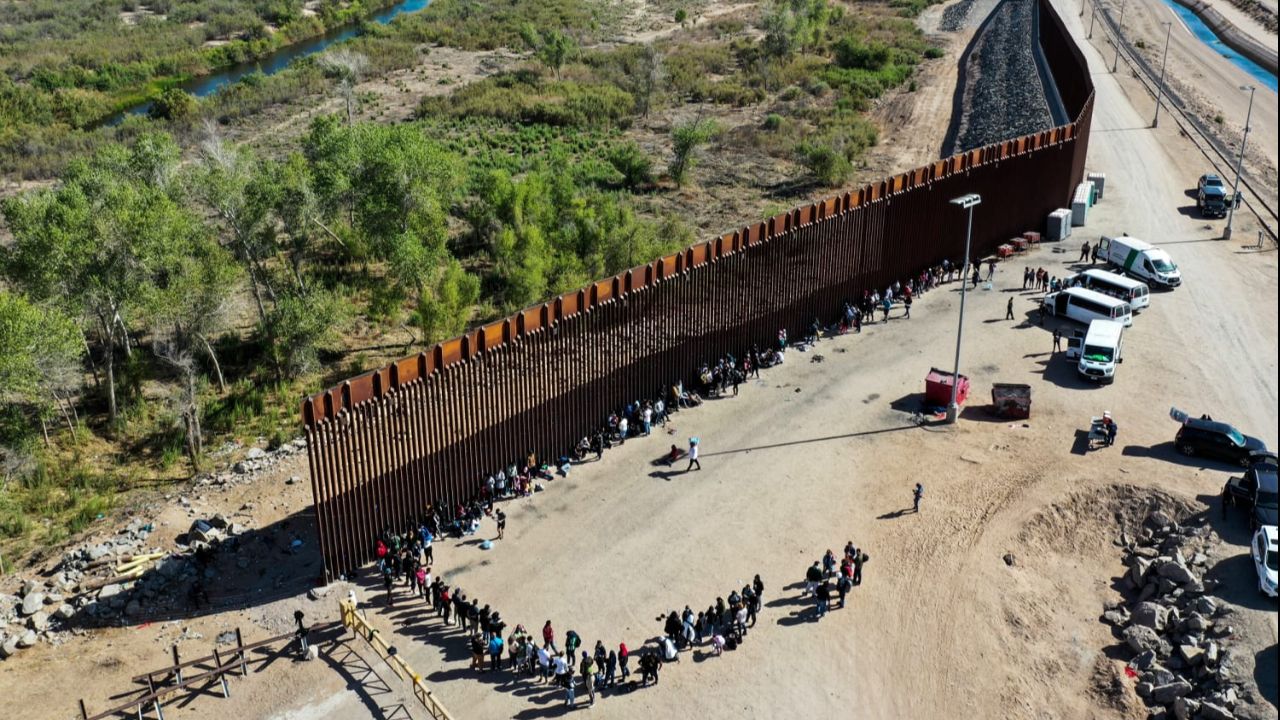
<point>817,579</point>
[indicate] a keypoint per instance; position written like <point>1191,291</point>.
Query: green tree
<point>174,104</point>
<point>40,350</point>
<point>686,138</point>
<point>97,245</point>
<point>552,47</point>
<point>829,165</point>
<point>632,163</point>
<point>794,25</point>
<point>303,323</point>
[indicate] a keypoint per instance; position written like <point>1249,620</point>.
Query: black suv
<point>1217,440</point>
<point>1256,492</point>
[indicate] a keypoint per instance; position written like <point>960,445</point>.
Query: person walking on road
<point>502,521</point>
<point>1057,340</point>
<point>1008,310</point>
<point>693,455</point>
<point>915,497</point>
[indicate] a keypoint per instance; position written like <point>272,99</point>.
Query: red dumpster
<point>937,388</point>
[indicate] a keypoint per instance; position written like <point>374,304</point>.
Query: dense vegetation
<point>174,289</point>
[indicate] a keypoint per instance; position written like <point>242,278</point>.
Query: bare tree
<point>647,78</point>
<point>347,66</point>
<point>185,398</point>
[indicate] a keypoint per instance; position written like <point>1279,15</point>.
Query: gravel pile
<point>1176,633</point>
<point>955,16</point>
<point>1003,97</point>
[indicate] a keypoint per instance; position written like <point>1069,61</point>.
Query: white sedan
<point>1265,555</point>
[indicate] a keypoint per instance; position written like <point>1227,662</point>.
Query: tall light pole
<point>1235,189</point>
<point>1155,121</point>
<point>967,202</point>
<point>1119,36</point>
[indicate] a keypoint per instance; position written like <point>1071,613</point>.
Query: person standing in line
<point>693,455</point>
<point>1008,310</point>
<point>906,305</point>
<point>623,656</point>
<point>568,680</point>
<point>587,669</point>
<point>647,418</point>
<point>812,577</point>
<point>501,517</point>
<point>916,495</point>
<point>610,667</point>
<point>862,557</point>
<point>842,587</point>
<point>991,269</point>
<point>1057,339</point>
<point>495,653</point>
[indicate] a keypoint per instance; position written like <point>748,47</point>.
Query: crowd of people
<point>818,578</point>
<point>405,559</point>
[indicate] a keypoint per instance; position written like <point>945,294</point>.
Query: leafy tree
<point>791,26</point>
<point>302,322</point>
<point>686,139</point>
<point>97,245</point>
<point>174,104</point>
<point>40,349</point>
<point>552,47</point>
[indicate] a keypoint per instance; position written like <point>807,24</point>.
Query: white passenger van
<point>1103,347</point>
<point>1134,292</point>
<point>1085,306</point>
<point>1140,259</point>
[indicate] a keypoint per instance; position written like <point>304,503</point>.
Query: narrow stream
<point>1207,36</point>
<point>275,62</point>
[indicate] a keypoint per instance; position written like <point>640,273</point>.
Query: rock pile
<point>255,462</point>
<point>955,16</point>
<point>1175,630</point>
<point>1003,95</point>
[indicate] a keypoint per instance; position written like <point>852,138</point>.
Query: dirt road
<point>1208,82</point>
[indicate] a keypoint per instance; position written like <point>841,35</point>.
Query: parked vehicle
<point>1256,492</point>
<point>1211,196</point>
<point>1102,351</point>
<point>1264,552</point>
<point>1134,292</point>
<point>1201,436</point>
<point>1085,306</point>
<point>1140,259</point>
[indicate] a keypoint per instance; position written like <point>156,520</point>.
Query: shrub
<point>933,53</point>
<point>827,164</point>
<point>773,122</point>
<point>682,15</point>
<point>174,104</point>
<point>631,162</point>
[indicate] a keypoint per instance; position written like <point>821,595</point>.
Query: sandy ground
<point>814,455</point>
<point>1206,80</point>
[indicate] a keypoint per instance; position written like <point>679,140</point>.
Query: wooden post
<point>84,714</point>
<point>244,665</point>
<point>177,669</point>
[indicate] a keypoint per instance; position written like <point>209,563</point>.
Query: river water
<point>275,62</point>
<point>1206,36</point>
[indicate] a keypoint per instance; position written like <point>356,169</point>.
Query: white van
<point>1102,350</point>
<point>1134,292</point>
<point>1140,259</point>
<point>1085,306</point>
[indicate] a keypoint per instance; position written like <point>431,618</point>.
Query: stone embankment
<point>1000,93</point>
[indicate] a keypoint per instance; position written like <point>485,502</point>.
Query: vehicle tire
<point>1244,462</point>
<point>1187,450</point>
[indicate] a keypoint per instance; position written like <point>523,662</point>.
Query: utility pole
<point>1155,121</point>
<point>1119,36</point>
<point>967,202</point>
<point>1235,189</point>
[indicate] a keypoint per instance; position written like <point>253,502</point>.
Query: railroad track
<point>1221,157</point>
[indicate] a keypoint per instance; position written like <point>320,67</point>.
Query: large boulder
<point>1209,711</point>
<point>1141,638</point>
<point>27,639</point>
<point>38,621</point>
<point>1191,654</point>
<point>32,603</point>
<point>1150,615</point>
<point>1138,570</point>
<point>1165,694</point>
<point>1176,573</point>
<point>9,646</point>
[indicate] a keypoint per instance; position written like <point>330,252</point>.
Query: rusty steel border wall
<point>383,445</point>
